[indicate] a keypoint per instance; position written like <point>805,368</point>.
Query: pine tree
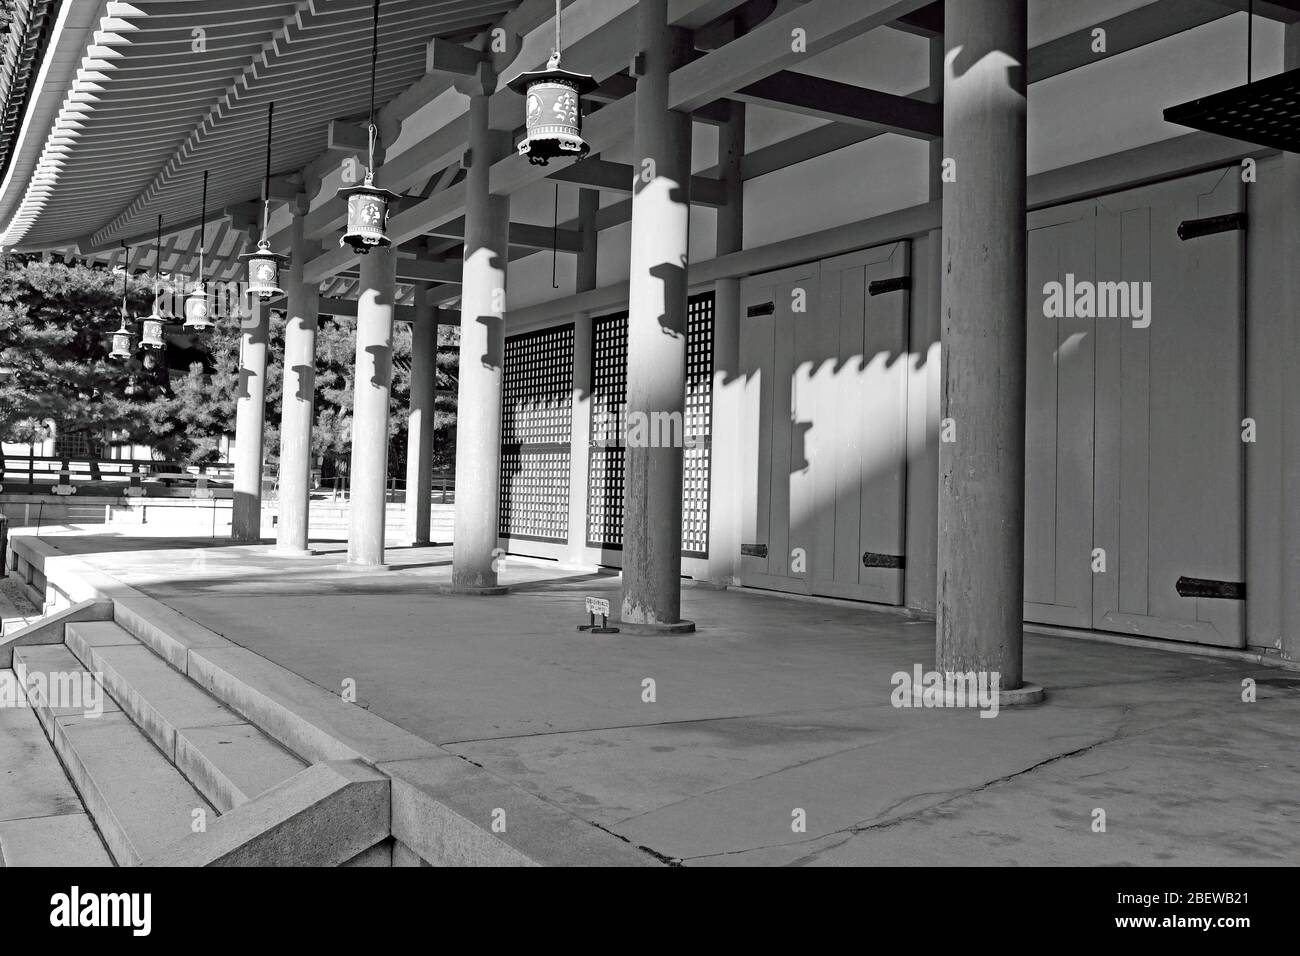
<point>56,323</point>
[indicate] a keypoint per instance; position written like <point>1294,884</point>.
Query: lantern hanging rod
<point>203,226</point>
<point>157,259</point>
<point>374,69</point>
<point>266,182</point>
<point>558,46</point>
<point>126,265</point>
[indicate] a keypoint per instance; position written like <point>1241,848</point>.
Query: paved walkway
<point>774,706</point>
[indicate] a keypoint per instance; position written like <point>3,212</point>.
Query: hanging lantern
<point>263,274</point>
<point>554,112</point>
<point>121,343</point>
<point>151,334</point>
<point>122,337</point>
<point>197,309</point>
<point>368,209</point>
<point>264,270</point>
<point>369,205</point>
<point>553,115</point>
<point>131,387</point>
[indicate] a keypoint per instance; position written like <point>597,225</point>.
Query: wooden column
<point>580,430</point>
<point>299,397</point>
<point>419,433</point>
<point>728,386</point>
<point>1290,517</point>
<point>374,381</point>
<point>982,473</point>
<point>924,385</point>
<point>482,353</point>
<point>250,423</point>
<point>656,340</point>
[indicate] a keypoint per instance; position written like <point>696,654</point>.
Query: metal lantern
<point>198,309</point>
<point>368,205</point>
<point>151,332</point>
<point>264,265</point>
<point>368,210</point>
<point>264,270</point>
<point>554,112</point>
<point>131,387</point>
<point>121,343</point>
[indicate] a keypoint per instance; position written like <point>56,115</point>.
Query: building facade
<point>923,305</point>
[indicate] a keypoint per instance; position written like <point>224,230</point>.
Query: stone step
<point>140,803</point>
<point>42,820</point>
<point>227,758</point>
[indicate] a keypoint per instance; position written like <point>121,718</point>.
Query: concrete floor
<point>773,706</point>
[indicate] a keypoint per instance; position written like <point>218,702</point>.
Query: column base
<point>497,591</point>
<point>1023,696</point>
<point>362,568</point>
<point>679,627</point>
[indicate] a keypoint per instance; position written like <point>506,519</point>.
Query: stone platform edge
<point>444,810</point>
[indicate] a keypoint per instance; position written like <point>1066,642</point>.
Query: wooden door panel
<point>1059,388</point>
<point>1170,402</point>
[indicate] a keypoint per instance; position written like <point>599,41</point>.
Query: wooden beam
<point>818,26</point>
<point>423,270</point>
<point>1147,24</point>
<point>1284,11</point>
<point>803,147</point>
<point>523,234</point>
<point>347,308</point>
<point>926,22</point>
<point>346,137</point>
<point>1128,31</point>
<point>443,56</point>
<point>286,188</point>
<point>832,100</point>
<point>621,178</point>
<point>613,88</point>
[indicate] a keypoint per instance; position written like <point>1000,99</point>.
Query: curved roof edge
<point>73,29</point>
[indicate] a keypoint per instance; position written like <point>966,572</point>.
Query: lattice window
<point>536,430</point>
<point>698,423</point>
<point>535,493</point>
<point>608,409</point>
<point>605,497</point>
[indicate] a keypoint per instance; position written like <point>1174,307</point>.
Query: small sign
<point>598,606</point>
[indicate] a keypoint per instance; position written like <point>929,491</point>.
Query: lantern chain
<point>157,263</point>
<point>264,242</point>
<point>126,263</point>
<point>374,67</point>
<point>203,228</point>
